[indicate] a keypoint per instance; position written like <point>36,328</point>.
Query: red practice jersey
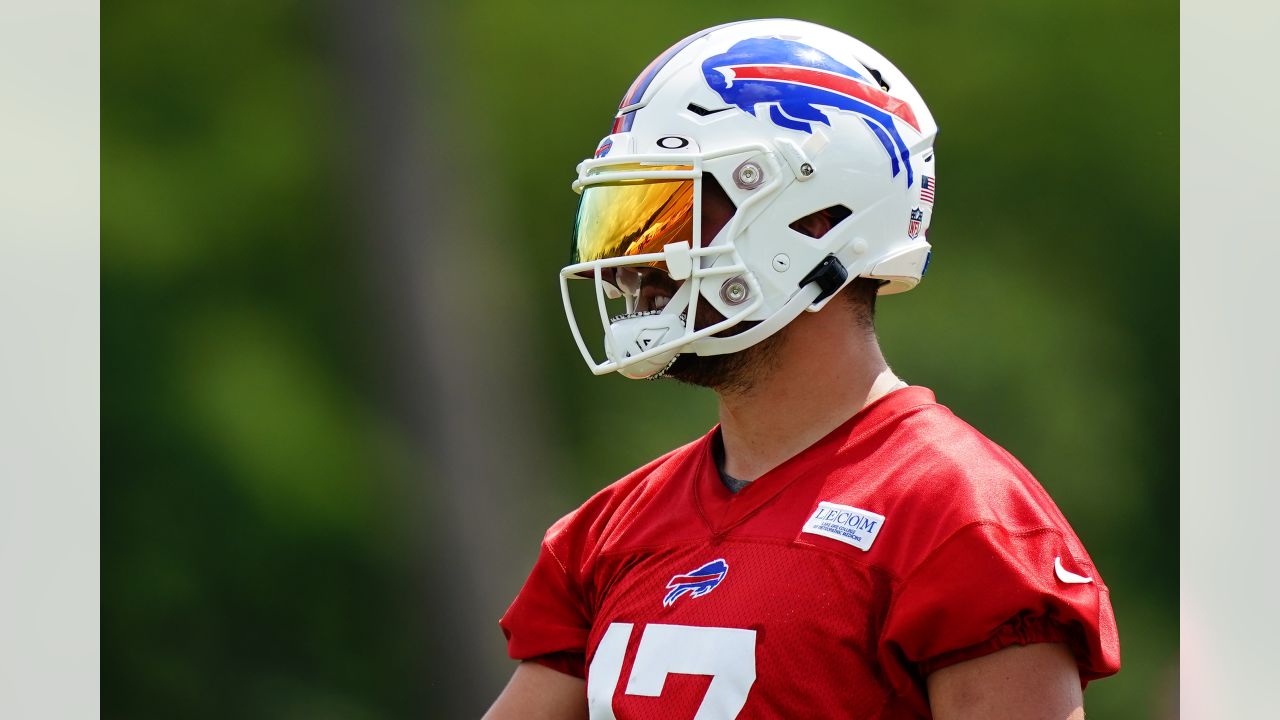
<point>902,542</point>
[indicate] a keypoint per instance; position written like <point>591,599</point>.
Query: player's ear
<point>814,225</point>
<point>817,224</point>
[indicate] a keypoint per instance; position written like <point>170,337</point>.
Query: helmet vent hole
<point>879,78</point>
<point>717,207</point>
<point>697,109</point>
<point>817,224</point>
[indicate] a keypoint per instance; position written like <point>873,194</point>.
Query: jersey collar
<point>722,510</point>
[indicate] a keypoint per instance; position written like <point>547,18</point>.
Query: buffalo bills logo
<point>696,583</point>
<point>604,147</point>
<point>796,81</point>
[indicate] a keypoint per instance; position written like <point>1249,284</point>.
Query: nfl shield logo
<point>913,227</point>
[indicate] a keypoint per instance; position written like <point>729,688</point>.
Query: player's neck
<point>817,385</point>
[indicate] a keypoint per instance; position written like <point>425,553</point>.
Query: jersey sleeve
<point>986,588</point>
<point>547,622</point>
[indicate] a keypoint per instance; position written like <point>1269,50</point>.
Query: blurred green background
<point>340,401</point>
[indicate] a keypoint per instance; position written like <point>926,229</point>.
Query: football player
<point>840,545</point>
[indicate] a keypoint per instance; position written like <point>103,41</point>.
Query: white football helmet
<point>790,118</point>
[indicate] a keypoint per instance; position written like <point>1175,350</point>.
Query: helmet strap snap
<point>830,275</point>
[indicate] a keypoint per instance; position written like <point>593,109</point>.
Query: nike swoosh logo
<point>1066,575</point>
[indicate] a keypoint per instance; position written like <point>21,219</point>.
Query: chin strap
<point>637,333</point>
<point>820,283</point>
<point>743,340</point>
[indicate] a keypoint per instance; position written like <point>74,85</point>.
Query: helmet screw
<point>859,246</point>
<point>734,291</point>
<point>781,262</point>
<point>748,176</point>
<point>806,169</point>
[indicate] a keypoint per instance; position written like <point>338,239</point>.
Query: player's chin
<point>714,371</point>
<point>732,373</point>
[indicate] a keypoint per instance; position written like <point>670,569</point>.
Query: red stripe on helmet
<point>834,82</point>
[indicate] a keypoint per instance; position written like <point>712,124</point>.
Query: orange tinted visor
<point>633,217</point>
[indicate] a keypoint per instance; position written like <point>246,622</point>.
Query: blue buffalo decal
<point>796,81</point>
<point>696,583</point>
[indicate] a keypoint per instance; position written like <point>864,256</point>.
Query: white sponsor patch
<point>847,524</point>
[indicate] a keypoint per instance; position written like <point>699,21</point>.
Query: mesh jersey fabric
<point>800,624</point>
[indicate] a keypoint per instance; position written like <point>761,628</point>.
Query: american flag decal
<point>927,185</point>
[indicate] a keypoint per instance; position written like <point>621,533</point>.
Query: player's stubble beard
<point>733,373</point>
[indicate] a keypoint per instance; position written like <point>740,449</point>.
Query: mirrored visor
<point>633,217</point>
